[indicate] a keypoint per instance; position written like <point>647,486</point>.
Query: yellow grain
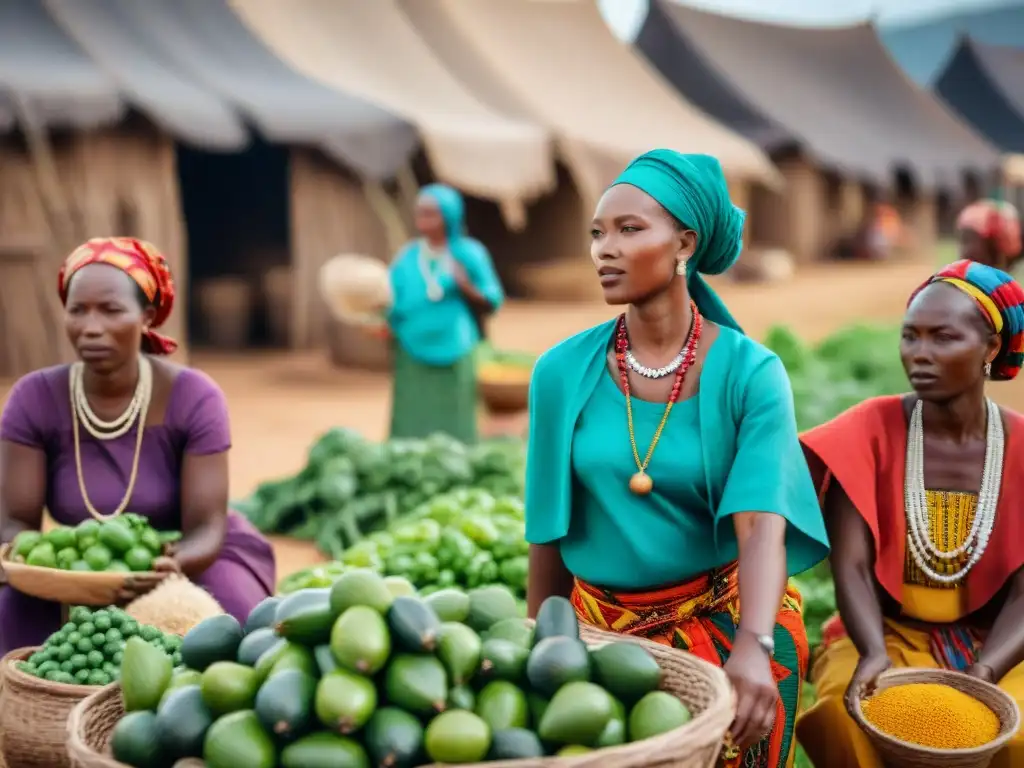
<point>932,715</point>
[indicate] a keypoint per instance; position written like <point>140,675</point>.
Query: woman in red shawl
<point>123,429</point>
<point>925,516</point>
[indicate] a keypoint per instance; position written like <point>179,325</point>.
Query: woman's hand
<point>757,694</point>
<point>865,677</point>
<point>138,584</point>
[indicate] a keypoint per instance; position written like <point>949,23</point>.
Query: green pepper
<point>480,530</point>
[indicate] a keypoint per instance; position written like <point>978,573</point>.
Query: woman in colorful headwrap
<point>442,284</point>
<point>124,430</point>
<point>665,483</point>
<point>990,234</point>
<point>920,500</point>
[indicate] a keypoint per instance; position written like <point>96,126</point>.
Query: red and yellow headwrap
<point>996,221</point>
<point>144,264</point>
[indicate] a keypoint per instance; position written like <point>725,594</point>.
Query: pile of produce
<point>351,486</point>
<point>503,366</point>
<point>89,649</point>
<point>932,715</point>
<point>853,364</point>
<point>355,676</point>
<point>126,543</point>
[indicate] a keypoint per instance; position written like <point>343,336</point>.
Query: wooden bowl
<point>504,389</point>
<point>65,587</point>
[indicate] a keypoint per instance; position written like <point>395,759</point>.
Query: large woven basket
<point>703,688</point>
<point>34,716</point>
<point>901,754</point>
<point>66,587</point>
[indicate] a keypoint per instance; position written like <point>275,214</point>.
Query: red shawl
<point>865,450</point>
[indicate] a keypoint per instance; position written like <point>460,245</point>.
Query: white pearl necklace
<point>919,540</point>
<point>666,370</point>
<point>111,430</point>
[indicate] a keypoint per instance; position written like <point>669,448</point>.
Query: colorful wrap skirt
<point>701,617</point>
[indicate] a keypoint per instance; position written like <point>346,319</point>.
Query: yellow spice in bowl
<point>932,715</point>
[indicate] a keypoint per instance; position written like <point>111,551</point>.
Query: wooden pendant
<point>641,483</point>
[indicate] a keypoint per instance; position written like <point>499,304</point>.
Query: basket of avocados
<point>34,715</point>
<point>87,564</point>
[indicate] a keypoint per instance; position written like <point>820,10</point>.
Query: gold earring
<point>681,267</point>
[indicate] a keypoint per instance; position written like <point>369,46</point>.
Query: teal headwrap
<point>450,204</point>
<point>692,188</point>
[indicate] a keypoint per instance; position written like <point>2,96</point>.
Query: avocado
<point>228,686</point>
<point>449,604</point>
<point>656,713</point>
<point>614,732</point>
<point>461,697</point>
<point>344,701</point>
<point>324,750</point>
<point>556,618</point>
<point>417,683</point>
<point>538,706</point>
<point>284,704</point>
<point>577,714</point>
<point>262,615</point>
<point>305,617</point>
<point>458,648</point>
<point>360,586</point>
<point>516,631</point>
<point>626,670</point>
<point>179,679</point>
<point>414,625</point>
<point>399,586</point>
<point>503,660</point>
<point>360,640</point>
<point>214,639</point>
<point>457,737</point>
<point>255,644</point>
<point>324,657</point>
<point>145,674</point>
<point>134,741</point>
<point>394,738</point>
<point>238,739</point>
<point>556,661</point>
<point>182,721</point>
<point>501,705</point>
<point>489,605</point>
<point>514,744</point>
<point>572,750</point>
<point>285,655</point>
<point>269,657</point>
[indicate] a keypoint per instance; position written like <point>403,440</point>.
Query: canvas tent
<point>985,84</point>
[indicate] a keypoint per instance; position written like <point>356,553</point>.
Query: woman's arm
<point>22,489</point>
<point>1004,647</point>
<point>548,576</point>
<point>476,277</point>
<point>204,516</point>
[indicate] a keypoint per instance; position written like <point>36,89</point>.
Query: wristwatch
<point>767,643</point>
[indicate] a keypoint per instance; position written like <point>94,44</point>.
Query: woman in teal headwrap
<point>440,283</point>
<point>665,482</point>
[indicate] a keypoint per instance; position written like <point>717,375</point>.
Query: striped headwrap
<point>1000,299</point>
<point>995,221</point>
<point>144,264</point>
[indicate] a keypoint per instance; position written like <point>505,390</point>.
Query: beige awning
<point>368,48</point>
<point>561,61</point>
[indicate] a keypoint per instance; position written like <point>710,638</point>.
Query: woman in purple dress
<point>124,430</point>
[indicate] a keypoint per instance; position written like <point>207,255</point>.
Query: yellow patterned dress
<point>935,639</point>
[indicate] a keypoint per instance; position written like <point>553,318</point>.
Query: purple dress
<point>38,414</point>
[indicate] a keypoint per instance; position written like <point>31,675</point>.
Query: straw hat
<point>356,288</point>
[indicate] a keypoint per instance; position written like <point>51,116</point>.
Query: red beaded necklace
<point>641,483</point>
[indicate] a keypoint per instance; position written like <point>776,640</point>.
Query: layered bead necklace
<point>83,416</point>
<point>429,260</point>
<point>641,483</point>
<point>919,541</point>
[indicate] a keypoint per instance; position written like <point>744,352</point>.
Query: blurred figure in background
<point>442,284</point>
<point>989,232</point>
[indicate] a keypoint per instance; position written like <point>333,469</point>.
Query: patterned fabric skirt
<point>431,398</point>
<point>701,616</point>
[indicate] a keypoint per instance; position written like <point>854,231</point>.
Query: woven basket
<point>34,716</point>
<point>65,587</point>
<point>901,754</point>
<point>703,688</point>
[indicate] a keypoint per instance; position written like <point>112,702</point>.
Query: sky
<point>626,16</point>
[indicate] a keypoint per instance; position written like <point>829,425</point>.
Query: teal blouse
<point>749,452</point>
<point>602,546</point>
<point>445,331</point>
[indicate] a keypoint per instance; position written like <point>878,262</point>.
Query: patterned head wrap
<point>693,189</point>
<point>144,264</point>
<point>995,221</point>
<point>1000,299</point>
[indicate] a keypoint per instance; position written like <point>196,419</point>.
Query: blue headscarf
<point>453,209</point>
<point>692,188</point>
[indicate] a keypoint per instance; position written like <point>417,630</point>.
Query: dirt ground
<point>280,402</point>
